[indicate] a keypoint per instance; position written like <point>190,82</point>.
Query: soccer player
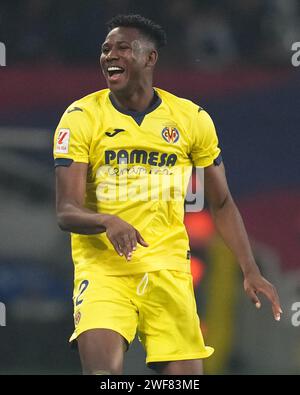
<point>131,253</point>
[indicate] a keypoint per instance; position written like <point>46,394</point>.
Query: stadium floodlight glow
<point>296,56</point>
<point>2,314</point>
<point>2,54</point>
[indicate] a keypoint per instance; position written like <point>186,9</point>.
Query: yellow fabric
<point>129,174</point>
<point>160,306</point>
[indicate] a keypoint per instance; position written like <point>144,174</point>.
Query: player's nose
<point>112,55</point>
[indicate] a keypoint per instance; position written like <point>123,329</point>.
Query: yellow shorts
<point>160,306</point>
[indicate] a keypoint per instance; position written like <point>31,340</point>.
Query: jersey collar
<point>138,116</point>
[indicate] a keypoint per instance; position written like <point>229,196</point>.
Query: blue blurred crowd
<point>207,34</point>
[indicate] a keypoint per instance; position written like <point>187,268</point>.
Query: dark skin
<point>126,48</point>
<point>73,217</point>
<point>102,350</point>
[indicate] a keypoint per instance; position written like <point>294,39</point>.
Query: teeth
<point>114,68</point>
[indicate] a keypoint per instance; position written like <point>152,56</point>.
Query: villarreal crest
<point>170,134</point>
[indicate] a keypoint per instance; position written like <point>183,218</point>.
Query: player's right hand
<point>123,236</point>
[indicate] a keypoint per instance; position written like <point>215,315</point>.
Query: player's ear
<point>152,58</point>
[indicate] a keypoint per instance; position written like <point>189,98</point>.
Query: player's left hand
<point>255,283</point>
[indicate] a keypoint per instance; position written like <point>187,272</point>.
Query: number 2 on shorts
<point>82,287</point>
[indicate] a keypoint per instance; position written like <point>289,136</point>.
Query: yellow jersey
<point>138,169</point>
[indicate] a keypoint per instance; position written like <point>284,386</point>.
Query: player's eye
<point>105,50</point>
<point>123,47</point>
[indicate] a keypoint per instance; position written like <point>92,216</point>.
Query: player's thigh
<point>104,317</point>
<point>186,367</point>
<point>169,326</point>
<point>101,351</point>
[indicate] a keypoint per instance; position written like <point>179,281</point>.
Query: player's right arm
<point>73,217</point>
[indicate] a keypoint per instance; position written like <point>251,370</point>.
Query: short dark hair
<point>148,28</point>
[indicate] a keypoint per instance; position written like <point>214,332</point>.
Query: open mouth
<point>114,72</point>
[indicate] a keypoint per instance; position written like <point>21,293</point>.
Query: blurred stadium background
<point>233,58</point>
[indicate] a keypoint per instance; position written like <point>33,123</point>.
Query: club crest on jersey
<point>170,134</point>
<point>62,141</point>
<point>77,318</point>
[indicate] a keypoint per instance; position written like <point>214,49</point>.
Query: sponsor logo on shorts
<point>77,318</point>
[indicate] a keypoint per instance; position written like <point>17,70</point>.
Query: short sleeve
<point>72,137</point>
<point>205,147</point>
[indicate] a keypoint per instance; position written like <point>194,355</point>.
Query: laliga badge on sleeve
<point>62,142</point>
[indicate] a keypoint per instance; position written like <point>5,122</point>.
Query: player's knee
<point>103,370</point>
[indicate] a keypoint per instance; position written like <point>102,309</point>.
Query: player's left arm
<point>230,226</point>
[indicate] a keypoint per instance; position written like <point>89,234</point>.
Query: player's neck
<point>138,100</point>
